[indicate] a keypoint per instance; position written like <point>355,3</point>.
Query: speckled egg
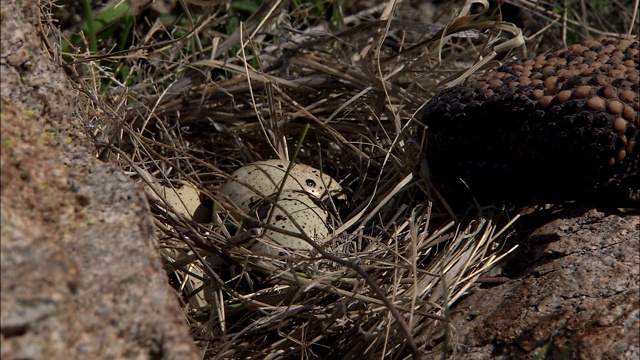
<point>184,198</point>
<point>307,210</point>
<point>251,183</point>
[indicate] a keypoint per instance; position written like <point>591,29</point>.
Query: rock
<point>80,272</point>
<point>574,295</point>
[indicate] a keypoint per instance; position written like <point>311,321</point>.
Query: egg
<point>307,211</point>
<point>253,190</point>
<point>184,198</point>
<point>251,183</point>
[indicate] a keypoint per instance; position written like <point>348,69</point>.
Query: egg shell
<point>184,198</point>
<point>265,177</point>
<point>307,210</point>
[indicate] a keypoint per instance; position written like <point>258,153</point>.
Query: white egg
<point>265,177</point>
<point>308,212</point>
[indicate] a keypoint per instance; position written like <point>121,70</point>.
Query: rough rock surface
<point>80,272</point>
<point>574,293</point>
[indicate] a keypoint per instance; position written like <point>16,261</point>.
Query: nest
<point>199,94</point>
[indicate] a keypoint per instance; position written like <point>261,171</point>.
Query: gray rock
<point>574,295</point>
<point>81,277</point>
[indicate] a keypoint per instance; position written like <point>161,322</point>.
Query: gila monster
<point>560,126</point>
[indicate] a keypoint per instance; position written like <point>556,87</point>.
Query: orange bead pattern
<point>555,127</point>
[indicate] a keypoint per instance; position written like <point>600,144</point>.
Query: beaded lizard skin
<point>561,126</point>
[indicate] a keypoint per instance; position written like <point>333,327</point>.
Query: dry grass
<point>202,91</point>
